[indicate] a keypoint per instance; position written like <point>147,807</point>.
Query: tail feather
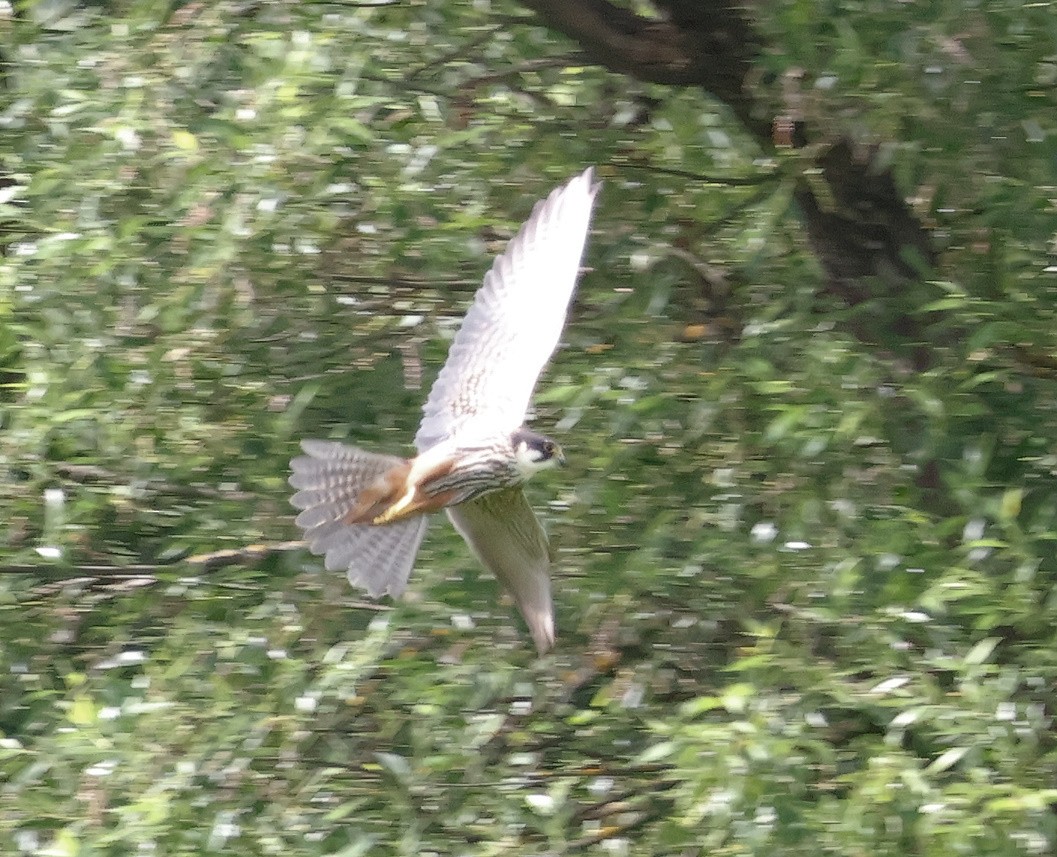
<point>334,468</point>
<point>377,558</point>
<point>329,479</point>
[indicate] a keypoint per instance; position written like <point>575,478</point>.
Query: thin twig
<point>728,181</point>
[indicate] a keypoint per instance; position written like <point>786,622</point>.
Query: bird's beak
<point>559,456</point>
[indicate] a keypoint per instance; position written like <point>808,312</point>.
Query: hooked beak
<point>559,456</point>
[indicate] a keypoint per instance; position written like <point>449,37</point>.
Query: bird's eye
<point>548,448</point>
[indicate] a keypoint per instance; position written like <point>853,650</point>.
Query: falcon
<point>367,512</point>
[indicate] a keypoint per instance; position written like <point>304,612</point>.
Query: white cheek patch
<point>523,455</point>
<point>530,462</point>
<point>527,463</point>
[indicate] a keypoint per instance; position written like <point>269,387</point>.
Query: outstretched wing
<point>514,324</point>
<point>503,532</point>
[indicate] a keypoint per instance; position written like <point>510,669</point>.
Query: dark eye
<point>548,448</point>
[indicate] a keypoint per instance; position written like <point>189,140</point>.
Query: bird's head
<point>534,452</point>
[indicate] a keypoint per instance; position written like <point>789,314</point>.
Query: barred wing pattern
<point>514,324</point>
<point>329,478</point>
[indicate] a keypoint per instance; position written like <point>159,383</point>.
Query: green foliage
<point>805,592</point>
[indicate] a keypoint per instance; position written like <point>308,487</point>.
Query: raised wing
<point>514,324</point>
<point>503,532</point>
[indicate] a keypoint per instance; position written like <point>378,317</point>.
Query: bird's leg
<point>402,492</point>
<point>417,501</point>
<point>394,512</point>
<point>380,495</point>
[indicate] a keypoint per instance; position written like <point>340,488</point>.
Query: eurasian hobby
<point>367,513</point>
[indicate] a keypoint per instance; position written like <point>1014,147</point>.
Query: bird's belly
<point>402,493</point>
<point>466,481</point>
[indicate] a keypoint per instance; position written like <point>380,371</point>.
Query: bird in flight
<point>367,512</point>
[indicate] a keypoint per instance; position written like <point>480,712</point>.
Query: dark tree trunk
<point>867,239</point>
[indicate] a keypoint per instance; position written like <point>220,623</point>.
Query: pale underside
<point>514,324</point>
<point>480,397</point>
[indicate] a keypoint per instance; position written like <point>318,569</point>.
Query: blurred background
<point>805,576</point>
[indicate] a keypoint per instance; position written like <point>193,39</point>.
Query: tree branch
<point>868,240</point>
<point>711,46</point>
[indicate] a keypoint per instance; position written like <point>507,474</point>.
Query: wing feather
<point>504,533</point>
<point>515,321</point>
<point>329,479</point>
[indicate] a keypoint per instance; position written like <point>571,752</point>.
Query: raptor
<point>367,512</point>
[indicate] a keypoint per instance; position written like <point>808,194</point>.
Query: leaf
<point>980,652</point>
<point>185,141</point>
<point>701,705</point>
<point>82,712</point>
<point>395,764</point>
<point>344,810</point>
<point>947,759</point>
<point>1009,509</point>
<point>736,697</point>
<point>889,685</point>
<point>657,752</point>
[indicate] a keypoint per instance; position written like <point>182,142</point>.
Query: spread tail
<point>330,478</point>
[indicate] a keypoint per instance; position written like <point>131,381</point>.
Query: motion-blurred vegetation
<point>806,574</point>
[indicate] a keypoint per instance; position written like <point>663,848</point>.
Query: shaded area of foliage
<point>805,580</point>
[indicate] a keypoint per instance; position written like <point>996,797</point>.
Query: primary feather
<point>470,436</point>
<point>513,326</point>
